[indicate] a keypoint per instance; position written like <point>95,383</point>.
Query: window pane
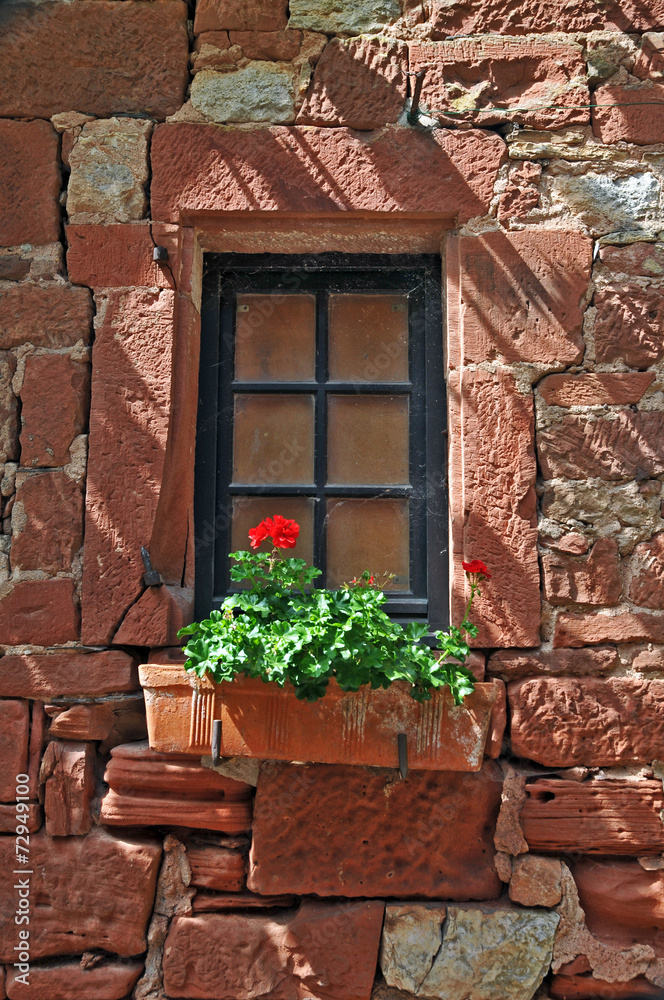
<point>368,534</point>
<point>367,439</point>
<point>250,511</point>
<point>275,338</point>
<point>368,338</point>
<point>273,439</point>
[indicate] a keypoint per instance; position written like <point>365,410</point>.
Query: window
<point>322,398</point>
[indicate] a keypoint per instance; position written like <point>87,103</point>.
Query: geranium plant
<point>282,628</point>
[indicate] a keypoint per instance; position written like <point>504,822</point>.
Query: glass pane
<point>275,338</point>
<point>367,439</point>
<point>273,439</point>
<point>368,338</point>
<point>368,534</point>
<point>250,511</point>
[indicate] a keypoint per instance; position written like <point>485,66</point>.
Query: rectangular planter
<point>265,721</point>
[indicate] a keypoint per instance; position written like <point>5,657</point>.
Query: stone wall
<point>258,125</point>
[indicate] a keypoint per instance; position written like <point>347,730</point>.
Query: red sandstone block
<point>29,182</point>
<point>513,17</point>
<point>277,45</point>
<point>32,819</point>
<point>9,418</point>
<point>582,630</point>
<point>217,868</point>
<point>594,722</point>
<point>47,522</point>
<point>199,168</point>
<point>131,362</point>
<point>524,74</point>
<point>134,769</point>
<point>595,388</point>
<point>111,57</point>
<point>44,314</point>
<point>14,737</point>
<point>511,664</point>
<point>358,82</point>
<point>45,676</point>
<point>584,986</point>
<point>38,611</point>
<point>55,401</point>
<point>623,904</point>
<point>156,617</point>
<point>75,981</point>
<point>518,295</point>
<point>647,586</point>
<point>82,722</point>
<point>320,950</point>
<point>638,116</point>
<point>94,892</point>
<point>232,818</point>
<point>69,772</point>
<point>628,324</point>
<point>641,259</point>
<point>621,446</point>
<point>240,15</point>
<point>594,579</point>
<point>112,256</point>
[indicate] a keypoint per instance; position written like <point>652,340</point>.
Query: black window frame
<point>226,275</point>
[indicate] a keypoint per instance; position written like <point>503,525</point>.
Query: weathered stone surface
<point>131,384</point>
<point>9,450</point>
<point>217,868</point>
<point>647,585</point>
<point>350,831</point>
<point>240,15</point>
<point>118,809</point>
<point>280,956</point>
<point>628,325</point>
<point>73,980</point>
<point>29,183</point>
<point>114,880</point>
<point>639,259</point>
<point>519,295</point>
<point>511,664</point>
<point>118,256</point>
<point>86,674</point>
<point>14,737</point>
<point>561,722</point>
<point>639,120</point>
<point>258,92</point>
<point>521,193</point>
<point>483,952</point>
<point>511,17</point>
<point>581,630</point>
<point>32,819</point>
<point>468,73</point>
<point>54,408</point>
<point>47,521</point>
<point>594,817</point>
<point>215,902</point>
<point>38,611</point>
<point>82,722</point>
<point>157,617</point>
<point>619,446</point>
<point>571,543</point>
<point>44,314</point>
<point>624,904</point>
<point>360,17</point>
<point>594,579</point>
<point>109,171</point>
<point>587,987</point>
<point>360,83</point>
<point>68,771</point>
<point>492,479</point>
<point>535,881</point>
<point>604,201</point>
<point>595,388</point>
<point>129,57</point>
<point>203,168</point>
<point>278,45</point>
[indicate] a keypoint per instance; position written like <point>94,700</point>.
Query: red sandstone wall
<point>244,124</point>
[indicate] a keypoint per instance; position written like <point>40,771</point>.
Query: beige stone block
<point>109,171</point>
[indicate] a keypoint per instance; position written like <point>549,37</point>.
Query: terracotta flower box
<point>268,722</point>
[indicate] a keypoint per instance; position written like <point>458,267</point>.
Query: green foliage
<point>283,629</point>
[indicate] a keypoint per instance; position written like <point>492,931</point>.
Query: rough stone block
<point>29,182</point>
<point>510,664</point>
<point>510,17</point>
<point>638,118</point>
<point>114,880</point>
<point>240,15</point>
<point>480,952</point>
<point>622,445</point>
<point>467,73</point>
<point>82,722</point>
<point>74,981</point>
<point>586,986</point>
<point>594,817</point>
<point>521,192</point>
<point>131,362</point>
<point>638,259</point>
<point>321,950</point>
<point>360,83</point>
<point>68,771</point>
<point>38,611</point>
<point>257,92</point>
<point>604,201</point>
<point>595,722</point>
<point>519,295</point>
<point>157,617</point>
<point>350,831</point>
<point>32,819</point>
<point>9,448</point>
<point>14,738</point>
<point>593,579</point>
<point>119,256</point>
<point>627,626</point>
<point>647,584</point>
<point>628,325</point>
<point>95,56</point>
<point>357,18</point>
<point>595,388</point>
<point>54,408</point>
<point>232,818</point>
<point>623,904</point>
<point>204,168</point>
<point>44,314</point>
<point>535,881</point>
<point>217,868</point>
<point>45,676</point>
<point>277,45</point>
<point>109,171</point>
<point>47,521</point>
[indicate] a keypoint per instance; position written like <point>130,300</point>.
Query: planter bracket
<point>216,742</point>
<point>402,744</point>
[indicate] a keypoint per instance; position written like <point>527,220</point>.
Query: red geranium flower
<point>281,530</point>
<point>477,568</point>
<point>258,534</point>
